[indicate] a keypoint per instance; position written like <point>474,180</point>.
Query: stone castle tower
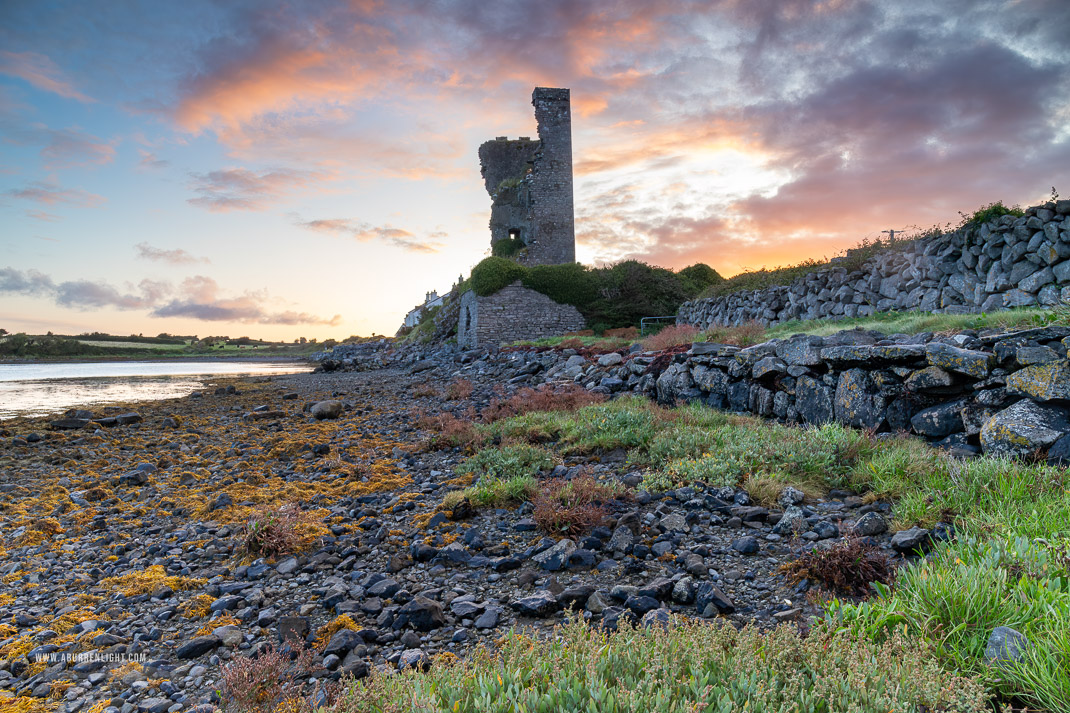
<point>530,182</point>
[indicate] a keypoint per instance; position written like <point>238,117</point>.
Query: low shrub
<point>566,397</point>
<point>690,666</point>
<point>672,336</point>
<point>848,567</point>
<point>571,507</point>
<point>449,431</point>
<point>622,333</point>
<point>270,682</point>
<point>497,492</point>
<point>459,389</point>
<point>507,461</point>
<point>424,390</point>
<point>743,335</point>
<point>275,531</point>
<point>990,212</point>
<point>494,273</point>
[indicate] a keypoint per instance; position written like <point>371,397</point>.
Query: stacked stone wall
<point>511,314</point>
<point>1007,262</point>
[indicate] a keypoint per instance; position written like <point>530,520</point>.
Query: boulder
<point>710,600</point>
<point>916,539</point>
<point>539,604</point>
<point>855,402</point>
<point>327,409</point>
<point>556,557</point>
<point>1024,428</point>
<point>1005,645</point>
<point>962,361</point>
<point>423,614</point>
<point>940,420</point>
<point>1042,382</point>
<point>813,400</point>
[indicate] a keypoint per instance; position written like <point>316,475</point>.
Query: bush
<point>698,277</point>
<point>674,335</point>
<point>494,273</point>
<point>567,397</point>
<point>848,567</point>
<point>268,683</point>
<point>275,531</point>
<point>571,507</point>
<point>607,297</point>
<point>508,461</point>
<point>686,667</point>
<point>569,283</point>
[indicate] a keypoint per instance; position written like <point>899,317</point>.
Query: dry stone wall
<point>511,314</point>
<point>1007,262</point>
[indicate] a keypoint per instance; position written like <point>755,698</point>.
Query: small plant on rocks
<point>848,567</point>
<point>568,398</point>
<point>267,683</point>
<point>459,389</point>
<point>571,507</point>
<point>273,532</point>
<point>448,431</point>
<point>672,336</point>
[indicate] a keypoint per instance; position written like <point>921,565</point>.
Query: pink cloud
<point>244,189</point>
<point>41,72</point>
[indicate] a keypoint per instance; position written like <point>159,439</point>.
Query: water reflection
<point>42,389</point>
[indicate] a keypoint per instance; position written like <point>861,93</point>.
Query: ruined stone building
<point>531,221</point>
<point>530,182</point>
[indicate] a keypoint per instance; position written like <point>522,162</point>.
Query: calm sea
<point>42,389</point>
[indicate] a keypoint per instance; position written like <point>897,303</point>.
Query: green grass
<point>916,322</point>
<point>505,475</point>
<point>690,667</point>
<point>956,599</point>
<point>1010,566</point>
<point>679,446</point>
<point>885,322</point>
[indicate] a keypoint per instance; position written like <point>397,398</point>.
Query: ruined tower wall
<point>511,314</point>
<point>553,213</point>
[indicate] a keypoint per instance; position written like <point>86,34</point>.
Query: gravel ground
<point>124,585</point>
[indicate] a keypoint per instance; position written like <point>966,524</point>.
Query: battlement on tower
<point>530,184</point>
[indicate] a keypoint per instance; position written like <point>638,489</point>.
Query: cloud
<point>30,282</point>
<point>41,72</point>
<point>77,294</point>
<point>49,193</point>
<point>43,215</point>
<point>150,161</point>
<point>176,256</point>
<point>197,297</point>
<point>243,189</point>
<point>364,232</point>
<point>201,300</point>
<point>70,148</point>
<point>86,295</point>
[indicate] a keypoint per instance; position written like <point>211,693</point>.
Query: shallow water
<point>42,389</point>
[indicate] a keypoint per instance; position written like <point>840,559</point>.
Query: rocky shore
<point>126,581</point>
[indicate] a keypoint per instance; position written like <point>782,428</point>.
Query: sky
<point>286,169</point>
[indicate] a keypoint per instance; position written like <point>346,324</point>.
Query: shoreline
<point>109,360</point>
